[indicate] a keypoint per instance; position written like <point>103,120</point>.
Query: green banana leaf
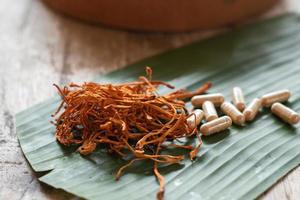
<point>237,164</point>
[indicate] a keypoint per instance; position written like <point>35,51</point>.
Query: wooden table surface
<point>39,47</point>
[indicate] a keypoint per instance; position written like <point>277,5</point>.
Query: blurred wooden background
<point>39,47</point>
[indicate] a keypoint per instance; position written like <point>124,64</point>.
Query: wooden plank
<point>39,47</point>
<point>31,60</point>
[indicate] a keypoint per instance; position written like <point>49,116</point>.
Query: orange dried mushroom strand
<point>129,116</point>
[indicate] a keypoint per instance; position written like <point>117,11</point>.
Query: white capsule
<point>252,109</point>
<point>230,110</point>
<point>217,99</point>
<point>238,98</point>
<point>285,113</point>
<point>216,125</point>
<point>210,112</point>
<point>195,118</point>
<point>273,97</point>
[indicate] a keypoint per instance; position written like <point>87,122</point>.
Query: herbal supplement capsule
<point>285,113</point>
<point>273,97</point>
<point>252,109</point>
<point>217,99</point>
<point>210,112</point>
<point>216,125</point>
<point>238,98</point>
<point>230,110</point>
<point>195,118</point>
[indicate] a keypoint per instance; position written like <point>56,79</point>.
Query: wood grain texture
<point>39,47</point>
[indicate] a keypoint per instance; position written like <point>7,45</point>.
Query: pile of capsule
<point>237,113</point>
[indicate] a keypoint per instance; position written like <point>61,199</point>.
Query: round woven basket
<point>162,15</point>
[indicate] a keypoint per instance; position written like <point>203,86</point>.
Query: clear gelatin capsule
<point>273,97</point>
<point>216,125</point>
<point>210,112</point>
<point>238,98</point>
<point>285,113</point>
<point>230,110</point>
<point>252,109</point>
<point>217,99</point>
<point>195,118</point>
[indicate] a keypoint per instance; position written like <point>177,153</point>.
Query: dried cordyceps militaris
<point>130,118</point>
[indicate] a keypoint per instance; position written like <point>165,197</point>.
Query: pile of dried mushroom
<point>129,118</point>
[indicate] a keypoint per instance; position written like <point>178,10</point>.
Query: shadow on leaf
<point>215,138</point>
